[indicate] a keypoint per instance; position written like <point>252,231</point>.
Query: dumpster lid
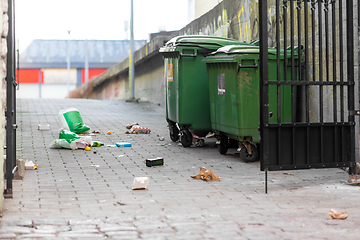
<point>252,49</point>
<point>208,42</point>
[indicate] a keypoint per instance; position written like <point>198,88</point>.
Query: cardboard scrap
<point>140,183</point>
<point>333,214</point>
<point>206,174</point>
<point>29,165</point>
<point>43,127</point>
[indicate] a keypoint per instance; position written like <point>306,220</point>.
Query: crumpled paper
<point>207,175</point>
<point>136,129</point>
<point>333,214</point>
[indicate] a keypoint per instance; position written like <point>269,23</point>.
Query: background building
<point>45,62</point>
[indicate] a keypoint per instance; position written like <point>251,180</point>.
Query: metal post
<point>350,67</point>
<point>264,101</point>
<point>266,177</point>
<point>68,63</point>
<point>10,101</point>
<point>131,56</point>
<point>86,68</point>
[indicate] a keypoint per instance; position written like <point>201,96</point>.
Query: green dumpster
<point>187,88</point>
<point>234,86</point>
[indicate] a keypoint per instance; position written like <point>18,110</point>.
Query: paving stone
<point>79,194</point>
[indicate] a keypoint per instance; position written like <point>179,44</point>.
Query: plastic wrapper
<point>135,128</point>
<point>70,119</point>
<point>70,140</point>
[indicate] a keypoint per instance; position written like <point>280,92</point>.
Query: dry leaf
<point>333,214</point>
<point>206,174</point>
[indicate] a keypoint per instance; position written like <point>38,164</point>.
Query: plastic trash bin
<point>187,87</point>
<point>234,86</point>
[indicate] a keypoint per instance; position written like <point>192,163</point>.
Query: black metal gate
<point>319,77</point>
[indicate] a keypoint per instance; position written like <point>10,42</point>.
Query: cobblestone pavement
<point>88,194</point>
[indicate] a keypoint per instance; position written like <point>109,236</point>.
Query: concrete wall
<point>203,6</point>
<point>3,49</point>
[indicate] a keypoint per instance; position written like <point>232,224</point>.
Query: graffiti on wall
<point>242,23</point>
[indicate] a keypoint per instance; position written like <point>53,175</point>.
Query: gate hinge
<point>354,112</point>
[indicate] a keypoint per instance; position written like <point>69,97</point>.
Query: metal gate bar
<point>11,104</point>
<point>316,67</point>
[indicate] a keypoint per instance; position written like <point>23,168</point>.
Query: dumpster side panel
<point>171,78</point>
<point>248,94</point>
<point>194,108</point>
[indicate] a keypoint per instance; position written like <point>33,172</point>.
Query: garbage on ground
<point>44,127</point>
<point>155,162</point>
<point>95,131</point>
<point>354,180</point>
<point>87,148</point>
<point>198,141</point>
<point>206,174</point>
<point>161,138</point>
<point>129,126</point>
<point>29,165</point>
<point>70,140</point>
<point>140,183</point>
<point>210,135</point>
<point>109,132</point>
<point>97,144</point>
<point>123,144</point>
<point>70,119</point>
<point>20,172</point>
<point>111,146</point>
<point>333,214</point>
<point>136,129</point>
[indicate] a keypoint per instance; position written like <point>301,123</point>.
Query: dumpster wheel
<point>244,152</point>
<point>186,138</point>
<point>224,145</point>
<point>174,132</point>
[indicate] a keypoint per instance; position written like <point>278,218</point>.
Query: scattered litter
<point>198,141</point>
<point>95,131</point>
<point>123,144</point>
<point>129,126</point>
<point>81,145</point>
<point>136,129</point>
<point>19,169</point>
<point>96,166</point>
<point>97,144</point>
<point>88,148</point>
<point>109,132</point>
<point>29,165</point>
<point>210,135</point>
<point>119,203</point>
<point>155,162</point>
<point>95,152</point>
<point>161,138</point>
<point>140,183</point>
<point>354,180</point>
<point>121,155</point>
<point>44,127</point>
<point>70,119</point>
<point>206,174</point>
<point>333,214</point>
<point>70,140</point>
<point>111,146</point>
